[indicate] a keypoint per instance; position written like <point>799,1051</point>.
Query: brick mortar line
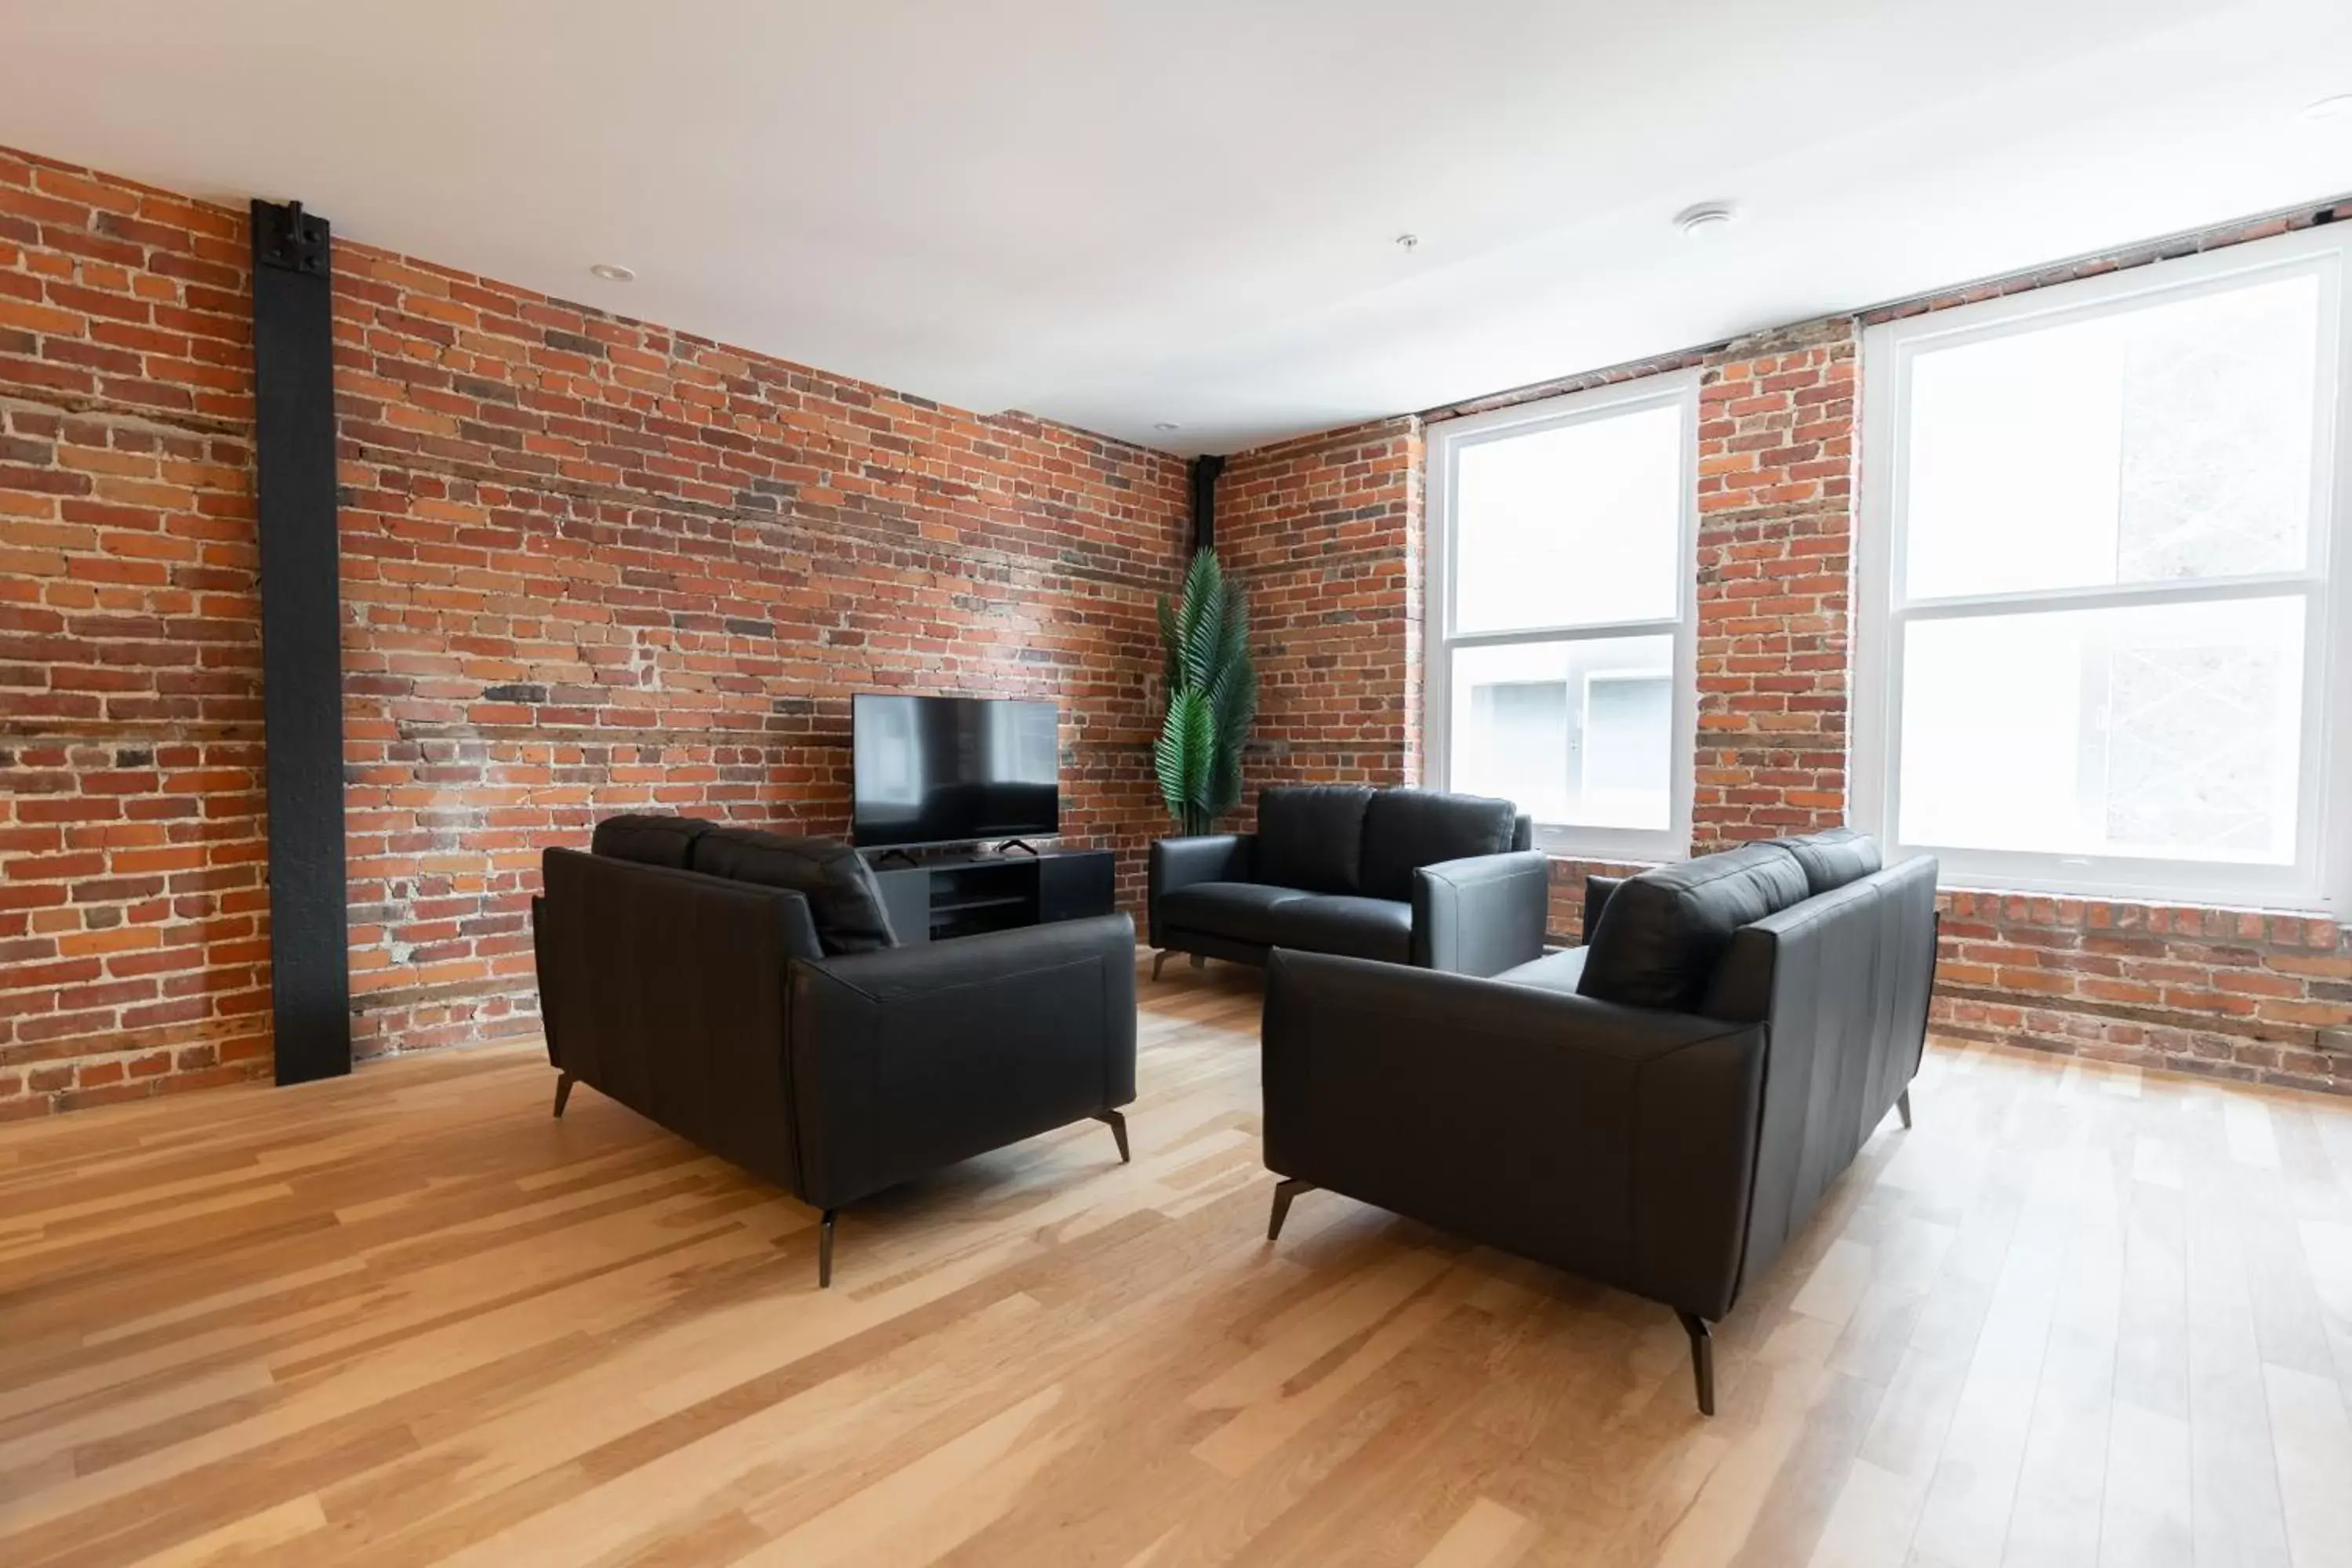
<point>783,520</point>
<point>2301,1036</point>
<point>14,394</point>
<point>638,735</point>
<point>1833,507</point>
<point>367,1002</point>
<point>123,1042</point>
<point>1301,564</point>
<point>83,733</point>
<point>1754,739</point>
<point>1316,444</point>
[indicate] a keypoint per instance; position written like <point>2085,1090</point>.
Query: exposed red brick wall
<point>1325,534</point>
<point>1777,438</point>
<point>2244,995</point>
<point>133,947</point>
<point>589,565</point>
<point>2232,992</point>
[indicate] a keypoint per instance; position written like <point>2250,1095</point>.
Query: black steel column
<point>1204,472</point>
<point>301,650</point>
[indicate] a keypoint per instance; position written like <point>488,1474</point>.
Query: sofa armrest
<point>1481,915</point>
<point>1178,863</point>
<point>1615,1142</point>
<point>913,1057</point>
<point>666,989</point>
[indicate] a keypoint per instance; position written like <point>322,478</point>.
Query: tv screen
<point>944,769</point>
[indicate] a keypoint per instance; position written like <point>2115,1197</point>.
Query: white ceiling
<point>1121,214</point>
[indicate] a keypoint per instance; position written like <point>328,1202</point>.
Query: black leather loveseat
<point>1403,876</point>
<point>1660,1109</point>
<point>746,992</point>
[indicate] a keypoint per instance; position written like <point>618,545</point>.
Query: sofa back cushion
<point>842,894</point>
<point>1662,934</point>
<point>1405,829</point>
<point>649,840</point>
<point>1311,837</point>
<point>1833,858</point>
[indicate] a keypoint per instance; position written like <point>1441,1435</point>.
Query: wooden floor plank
<point>2079,1315</point>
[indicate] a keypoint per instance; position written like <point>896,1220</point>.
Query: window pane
<point>1575,525</point>
<point>1579,733</point>
<point>2172,441</point>
<point>2170,731</point>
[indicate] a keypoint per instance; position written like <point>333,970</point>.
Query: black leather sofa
<point>1403,876</point>
<point>746,992</point>
<point>1660,1109</point>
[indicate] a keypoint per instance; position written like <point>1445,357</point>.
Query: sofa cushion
<point>1239,911</point>
<point>1405,829</point>
<point>649,840</point>
<point>1833,858</point>
<point>1346,924</point>
<point>1311,837</point>
<point>843,897</point>
<point>1662,932</point>
<point>1562,971</point>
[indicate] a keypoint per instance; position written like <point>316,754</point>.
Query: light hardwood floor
<point>2078,1317</point>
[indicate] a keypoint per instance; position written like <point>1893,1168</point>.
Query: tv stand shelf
<point>965,894</point>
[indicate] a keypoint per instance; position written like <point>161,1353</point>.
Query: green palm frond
<point>1171,671</point>
<point>1212,690</point>
<point>1182,756</point>
<point>1201,621</point>
<point>1236,685</point>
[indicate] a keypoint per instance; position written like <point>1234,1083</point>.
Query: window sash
<point>2321,875</point>
<point>1446,440</point>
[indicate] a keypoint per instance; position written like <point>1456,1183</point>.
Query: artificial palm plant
<point>1211,696</point>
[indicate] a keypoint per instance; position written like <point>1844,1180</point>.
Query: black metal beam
<point>301,650</point>
<point>1203,474</point>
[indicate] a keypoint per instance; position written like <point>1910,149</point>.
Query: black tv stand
<point>1009,845</point>
<point>890,855</point>
<point>964,895</point>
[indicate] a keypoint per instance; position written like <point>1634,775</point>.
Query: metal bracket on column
<point>289,238</point>
<point>301,646</point>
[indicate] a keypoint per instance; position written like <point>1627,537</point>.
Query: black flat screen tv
<point>951,770</point>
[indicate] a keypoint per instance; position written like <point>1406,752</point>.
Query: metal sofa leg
<point>1117,1125</point>
<point>563,1092</point>
<point>825,1250</point>
<point>1902,1104</point>
<point>1284,1191</point>
<point>1158,959</point>
<point>1702,1344</point>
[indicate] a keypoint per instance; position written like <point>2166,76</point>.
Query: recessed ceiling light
<point>2337,108</point>
<point>612,273</point>
<point>1706,218</point>
<point>1166,424</point>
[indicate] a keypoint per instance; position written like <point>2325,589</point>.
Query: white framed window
<point>2103,641</point>
<point>1560,668</point>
